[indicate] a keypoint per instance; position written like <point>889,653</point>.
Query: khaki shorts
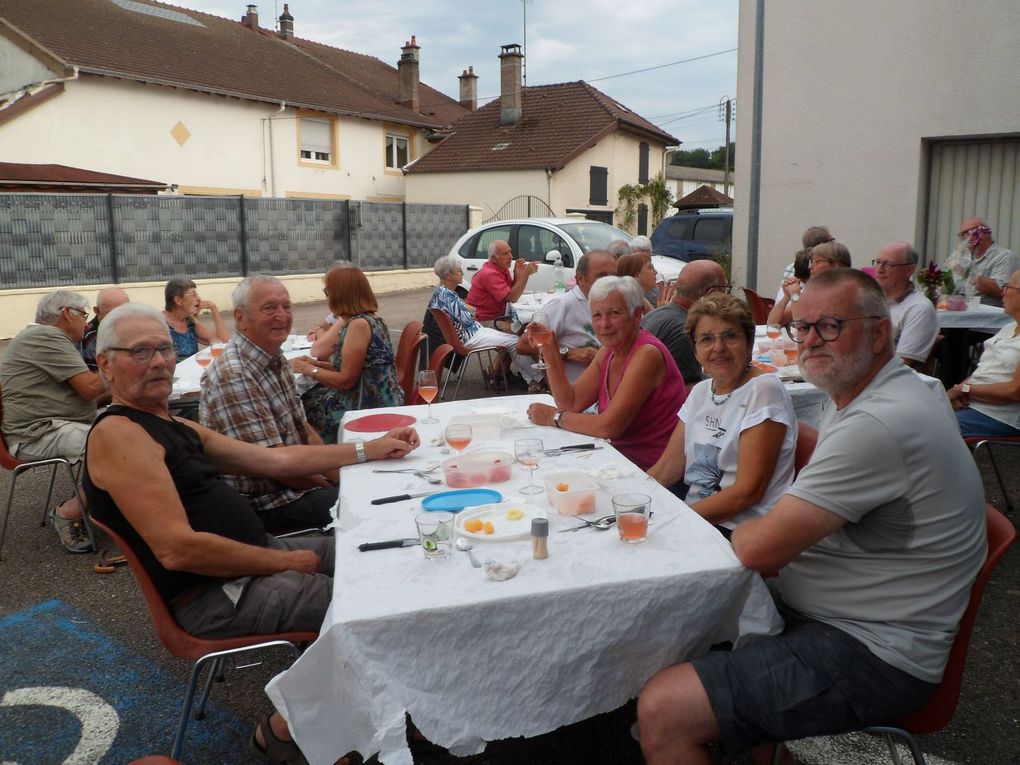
<point>64,439</point>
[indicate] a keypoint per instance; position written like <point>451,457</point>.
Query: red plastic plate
<point>378,423</point>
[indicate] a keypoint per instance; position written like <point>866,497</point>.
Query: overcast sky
<point>566,41</point>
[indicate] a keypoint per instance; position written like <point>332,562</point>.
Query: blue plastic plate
<point>457,500</point>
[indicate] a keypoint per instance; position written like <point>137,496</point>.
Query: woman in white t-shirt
<point>735,442</point>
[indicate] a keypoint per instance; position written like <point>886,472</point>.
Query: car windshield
<point>592,235</point>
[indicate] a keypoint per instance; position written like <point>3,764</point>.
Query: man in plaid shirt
<point>248,393</point>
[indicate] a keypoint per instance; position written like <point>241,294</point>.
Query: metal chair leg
<point>7,512</point>
<point>891,733</point>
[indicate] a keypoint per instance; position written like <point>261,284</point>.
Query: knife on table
<point>402,497</point>
<point>387,545</point>
<point>574,448</point>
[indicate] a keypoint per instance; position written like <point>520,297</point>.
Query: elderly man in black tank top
<point>156,481</point>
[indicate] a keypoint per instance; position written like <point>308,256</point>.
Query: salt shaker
<point>539,538</point>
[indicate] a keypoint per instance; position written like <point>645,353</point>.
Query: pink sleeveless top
<point>647,435</point>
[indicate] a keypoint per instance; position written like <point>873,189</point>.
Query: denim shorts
<point>812,680</point>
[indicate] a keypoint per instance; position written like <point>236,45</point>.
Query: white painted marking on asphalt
<point>99,721</point>
<point>853,749</point>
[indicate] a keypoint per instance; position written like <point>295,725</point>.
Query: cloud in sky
<point>565,42</point>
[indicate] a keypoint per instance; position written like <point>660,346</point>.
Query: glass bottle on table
<point>528,452</point>
<point>428,387</point>
<point>540,335</point>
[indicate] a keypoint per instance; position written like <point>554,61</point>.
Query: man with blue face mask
<point>991,264</point>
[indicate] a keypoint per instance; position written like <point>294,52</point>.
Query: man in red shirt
<point>493,287</point>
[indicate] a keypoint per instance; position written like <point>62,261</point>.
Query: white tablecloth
<point>473,660</point>
<point>534,301</point>
<point>981,318</point>
<point>188,373</point>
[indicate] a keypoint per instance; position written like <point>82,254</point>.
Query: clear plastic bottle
<point>559,281</point>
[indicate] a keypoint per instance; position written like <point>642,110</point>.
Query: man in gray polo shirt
<point>878,543</point>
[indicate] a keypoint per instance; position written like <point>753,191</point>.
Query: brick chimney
<point>286,23</point>
<point>469,89</point>
<point>510,61</point>
<point>407,76</point>
<point>251,18</point>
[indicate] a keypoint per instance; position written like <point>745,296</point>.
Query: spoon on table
<point>464,546</point>
<point>417,473</point>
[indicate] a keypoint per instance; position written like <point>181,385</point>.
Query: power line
<point>662,66</point>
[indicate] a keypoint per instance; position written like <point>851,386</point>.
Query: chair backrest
<point>929,363</point>
<point>407,352</point>
<point>754,302</point>
<point>178,642</point>
<point>807,438</point>
<point>408,337</point>
<point>8,460</point>
<point>938,711</point>
<point>449,333</point>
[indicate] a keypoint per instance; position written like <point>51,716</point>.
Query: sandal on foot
<point>494,380</point>
<point>276,751</point>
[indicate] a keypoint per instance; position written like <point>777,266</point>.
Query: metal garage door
<point>974,177</point>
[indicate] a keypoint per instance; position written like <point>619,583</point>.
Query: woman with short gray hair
<point>633,379</point>
<point>182,306</point>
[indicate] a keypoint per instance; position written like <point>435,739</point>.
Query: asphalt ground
<point>106,635</point>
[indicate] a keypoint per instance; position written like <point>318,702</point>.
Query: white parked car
<point>544,240</point>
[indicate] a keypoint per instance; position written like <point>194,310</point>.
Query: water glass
<point>435,532</point>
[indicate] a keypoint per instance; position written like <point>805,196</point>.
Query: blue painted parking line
<point>70,693</point>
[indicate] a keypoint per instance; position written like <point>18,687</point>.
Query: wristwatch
<point>315,372</point>
<point>564,350</point>
<point>965,389</point>
<point>558,418</point>
<point>359,449</point>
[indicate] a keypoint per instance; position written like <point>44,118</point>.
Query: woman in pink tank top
<point>633,379</point>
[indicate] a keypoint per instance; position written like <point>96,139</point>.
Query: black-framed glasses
<point>707,339</point>
<point>727,288</point>
<point>143,353</point>
<point>827,327</point>
<point>886,264</point>
<point>1006,287</point>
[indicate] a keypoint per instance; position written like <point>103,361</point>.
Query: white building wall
<point>18,68</point>
<point>486,190</point>
<point>231,146</point>
<point>851,92</point>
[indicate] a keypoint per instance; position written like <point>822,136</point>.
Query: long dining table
<point>473,660</point>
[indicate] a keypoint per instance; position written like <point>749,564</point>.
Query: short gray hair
<point>242,292</point>
<point>641,243</point>
<point>51,306</point>
<point>446,265</point>
<point>627,286</point>
<point>108,336</point>
<point>618,247</point>
<point>492,246</point>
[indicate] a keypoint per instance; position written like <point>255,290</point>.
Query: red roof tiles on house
<point>46,177</point>
<point>558,122</point>
<point>222,56</point>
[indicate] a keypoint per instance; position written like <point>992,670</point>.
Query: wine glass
<point>773,331</point>
<point>458,436</point>
<point>540,335</point>
<point>428,387</point>
<point>528,452</point>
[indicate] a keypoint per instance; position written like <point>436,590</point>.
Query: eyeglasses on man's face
<point>80,311</point>
<point>827,328</point>
<point>880,264</point>
<point>706,340</point>
<point>727,288</point>
<point>143,353</point>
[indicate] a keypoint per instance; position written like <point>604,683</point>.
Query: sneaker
<point>71,532</point>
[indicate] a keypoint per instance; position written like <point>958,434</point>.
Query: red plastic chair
<point>450,336</point>
<point>937,713</point>
<point>9,462</point>
<point>199,650</point>
<point>756,303</point>
<point>411,338</point>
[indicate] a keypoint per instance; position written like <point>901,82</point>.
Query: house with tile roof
<point>143,89</point>
<point>569,144</point>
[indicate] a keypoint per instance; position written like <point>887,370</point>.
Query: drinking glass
<point>540,335</point>
<point>216,348</point>
<point>773,331</point>
<point>428,387</point>
<point>203,358</point>
<point>458,436</point>
<point>632,511</point>
<point>528,452</point>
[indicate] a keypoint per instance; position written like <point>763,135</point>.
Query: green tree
<point>656,193</point>
<point>712,160</point>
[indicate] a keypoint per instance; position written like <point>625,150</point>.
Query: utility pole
<point>729,119</point>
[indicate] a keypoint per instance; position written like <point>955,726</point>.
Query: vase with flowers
<point>933,280</point>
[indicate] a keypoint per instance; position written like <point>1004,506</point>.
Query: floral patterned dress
<point>378,386</point>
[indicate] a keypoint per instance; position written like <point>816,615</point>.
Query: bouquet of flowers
<point>933,279</point>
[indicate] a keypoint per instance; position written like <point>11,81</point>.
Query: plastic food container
<point>571,492</point>
<point>481,468</point>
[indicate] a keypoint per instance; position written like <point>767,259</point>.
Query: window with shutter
<point>643,164</point>
<point>599,186</point>
<point>316,137</point>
